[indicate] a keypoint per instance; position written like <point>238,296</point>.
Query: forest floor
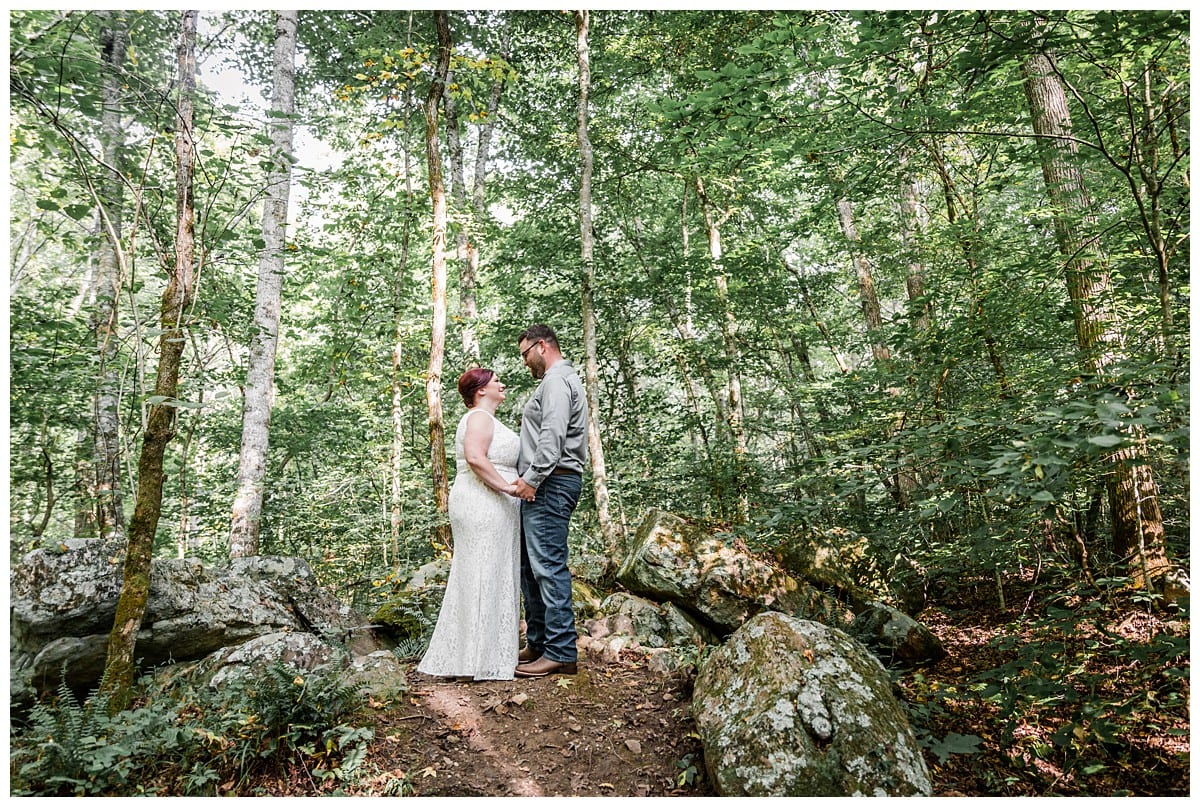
<point>620,729</point>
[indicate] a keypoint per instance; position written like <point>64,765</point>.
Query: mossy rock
<point>584,599</point>
<point>791,707</point>
<point>410,614</point>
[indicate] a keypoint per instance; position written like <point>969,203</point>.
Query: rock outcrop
<point>670,561</point>
<point>791,707</point>
<point>896,638</point>
<point>629,622</point>
<point>63,604</point>
<point>378,675</point>
<point>831,558</point>
<point>654,624</point>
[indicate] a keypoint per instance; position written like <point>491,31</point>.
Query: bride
<point>477,630</point>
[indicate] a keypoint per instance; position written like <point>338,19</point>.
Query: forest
<point>909,284</point>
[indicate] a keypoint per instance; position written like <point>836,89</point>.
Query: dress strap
<point>475,409</point>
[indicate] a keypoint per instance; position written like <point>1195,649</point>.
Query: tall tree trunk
<point>38,528</point>
<point>400,333</point>
<point>1138,534</point>
<point>471,211</point>
<point>736,411</point>
<point>484,148</point>
<point>110,516</point>
<point>465,249</point>
<point>866,281</point>
<point>260,375</point>
<point>789,378</point>
<point>1148,166</point>
<point>117,681</point>
<point>437,344</point>
<point>685,351</point>
<point>608,528</point>
<point>806,296</point>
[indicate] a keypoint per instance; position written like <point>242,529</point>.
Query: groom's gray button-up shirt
<point>554,426</point>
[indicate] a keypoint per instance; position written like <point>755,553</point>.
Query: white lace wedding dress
<point>477,629</point>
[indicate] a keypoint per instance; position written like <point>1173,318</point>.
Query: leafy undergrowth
<point>1074,692</point>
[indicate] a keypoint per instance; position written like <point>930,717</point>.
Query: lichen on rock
<point>792,707</point>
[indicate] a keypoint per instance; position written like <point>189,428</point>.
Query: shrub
<point>74,749</point>
<point>186,742</point>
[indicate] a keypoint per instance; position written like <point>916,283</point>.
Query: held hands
<point>521,490</point>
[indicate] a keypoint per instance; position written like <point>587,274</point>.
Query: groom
<point>553,456</point>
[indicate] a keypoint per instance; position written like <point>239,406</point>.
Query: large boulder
<point>654,624</point>
<point>377,676</point>
<point>299,651</point>
<point>63,603</point>
<point>896,638</point>
<point>791,707</point>
<point>434,573</point>
<point>830,558</point>
<point>674,562</point>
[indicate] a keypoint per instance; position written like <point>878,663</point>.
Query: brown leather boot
<point>544,666</point>
<point>527,655</point>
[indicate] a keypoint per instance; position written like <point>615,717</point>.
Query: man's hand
<point>524,491</point>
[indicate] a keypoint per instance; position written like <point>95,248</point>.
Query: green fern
<point>412,648</point>
<point>73,748</point>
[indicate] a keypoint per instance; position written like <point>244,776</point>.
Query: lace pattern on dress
<point>477,628</point>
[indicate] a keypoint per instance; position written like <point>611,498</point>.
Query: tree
<point>110,516</point>
<point>469,206</point>
<point>1138,535</point>
<point>867,295</point>
<point>118,676</point>
<point>735,410</point>
<point>260,375</point>
<point>437,346</point>
<point>611,533</point>
<point>400,330</point>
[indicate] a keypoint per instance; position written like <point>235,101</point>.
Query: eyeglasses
<point>531,347</point>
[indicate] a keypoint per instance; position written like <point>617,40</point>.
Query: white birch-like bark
<point>736,410</point>
<point>110,517</point>
<point>608,528</point>
<point>442,538</point>
<point>260,374</point>
<point>399,333</point>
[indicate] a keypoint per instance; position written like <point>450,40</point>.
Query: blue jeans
<point>545,578</point>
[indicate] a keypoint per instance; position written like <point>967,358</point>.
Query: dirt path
<point>614,729</point>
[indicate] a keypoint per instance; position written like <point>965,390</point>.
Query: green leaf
<point>1106,440</point>
<point>956,744</point>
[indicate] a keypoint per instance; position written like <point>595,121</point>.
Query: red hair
<point>472,381</point>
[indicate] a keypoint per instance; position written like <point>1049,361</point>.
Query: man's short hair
<point>535,333</point>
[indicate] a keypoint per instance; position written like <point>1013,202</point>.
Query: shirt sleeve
<point>552,431</point>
